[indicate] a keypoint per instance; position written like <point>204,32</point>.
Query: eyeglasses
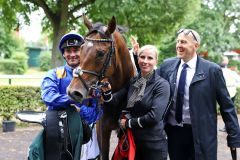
<point>186,32</point>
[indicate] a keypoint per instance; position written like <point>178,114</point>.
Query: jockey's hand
<point>75,107</point>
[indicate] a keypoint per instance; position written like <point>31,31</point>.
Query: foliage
<point>17,64</point>
<point>8,66</point>
<point>45,61</point>
<point>16,98</point>
<point>12,11</point>
<point>7,43</point>
<point>218,25</point>
<point>22,65</point>
<point>215,23</point>
<point>215,57</point>
<point>150,20</point>
<point>234,63</point>
<point>237,100</point>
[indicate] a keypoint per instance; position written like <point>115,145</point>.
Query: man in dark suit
<point>196,86</point>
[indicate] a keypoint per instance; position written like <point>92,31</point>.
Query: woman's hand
<point>106,88</point>
<point>123,123</point>
<point>135,45</point>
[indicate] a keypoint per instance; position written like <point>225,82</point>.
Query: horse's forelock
<point>98,28</point>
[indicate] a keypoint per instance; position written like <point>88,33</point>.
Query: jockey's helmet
<point>70,40</point>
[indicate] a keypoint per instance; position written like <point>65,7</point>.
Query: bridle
<point>78,72</point>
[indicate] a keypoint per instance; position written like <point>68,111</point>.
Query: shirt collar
<point>191,63</point>
<point>68,68</point>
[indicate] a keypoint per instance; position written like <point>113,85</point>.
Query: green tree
<point>7,43</point>
<point>150,20</point>
<point>218,25</point>
<point>214,25</point>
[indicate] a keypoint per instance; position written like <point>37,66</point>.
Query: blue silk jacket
<point>54,94</point>
<point>54,87</point>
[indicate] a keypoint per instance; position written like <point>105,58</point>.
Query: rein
<point>78,72</point>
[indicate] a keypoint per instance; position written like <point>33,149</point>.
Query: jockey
<point>55,83</point>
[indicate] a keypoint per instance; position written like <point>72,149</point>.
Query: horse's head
<point>103,55</point>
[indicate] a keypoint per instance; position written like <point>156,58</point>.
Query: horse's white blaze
<point>90,44</point>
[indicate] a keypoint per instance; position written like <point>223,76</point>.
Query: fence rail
<point>20,79</point>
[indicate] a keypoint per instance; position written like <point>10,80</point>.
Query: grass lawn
<point>35,72</point>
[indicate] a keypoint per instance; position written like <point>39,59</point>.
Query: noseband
<point>101,75</point>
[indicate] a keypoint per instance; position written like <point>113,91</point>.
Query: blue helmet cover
<point>70,36</point>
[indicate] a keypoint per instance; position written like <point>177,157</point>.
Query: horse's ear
<point>111,26</point>
<point>87,23</point>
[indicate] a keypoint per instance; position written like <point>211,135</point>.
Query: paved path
<point>14,145</point>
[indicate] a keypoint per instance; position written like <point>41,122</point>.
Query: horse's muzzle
<point>75,95</point>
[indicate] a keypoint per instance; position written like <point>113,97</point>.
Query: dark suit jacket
<point>207,88</point>
<point>150,109</point>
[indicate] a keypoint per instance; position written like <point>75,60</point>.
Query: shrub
<point>45,61</point>
<point>8,66</point>
<point>234,63</point>
<point>22,59</point>
<point>16,98</point>
<point>237,100</point>
<point>214,57</point>
<point>16,65</point>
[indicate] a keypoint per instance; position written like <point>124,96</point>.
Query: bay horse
<point>103,55</point>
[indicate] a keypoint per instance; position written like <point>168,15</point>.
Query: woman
<point>146,97</point>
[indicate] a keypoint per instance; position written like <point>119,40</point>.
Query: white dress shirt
<point>190,73</point>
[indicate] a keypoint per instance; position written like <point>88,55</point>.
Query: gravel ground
<point>14,145</point>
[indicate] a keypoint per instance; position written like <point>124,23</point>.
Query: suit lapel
<point>199,74</point>
<point>173,74</point>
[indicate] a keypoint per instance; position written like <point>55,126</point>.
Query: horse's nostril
<point>77,94</point>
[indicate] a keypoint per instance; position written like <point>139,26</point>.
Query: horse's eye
<point>100,54</point>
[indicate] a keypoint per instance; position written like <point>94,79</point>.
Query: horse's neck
<point>124,68</point>
<point>133,63</point>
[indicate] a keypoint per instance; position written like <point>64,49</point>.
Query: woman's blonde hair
<point>149,47</point>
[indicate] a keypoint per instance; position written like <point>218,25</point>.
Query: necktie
<point>180,93</point>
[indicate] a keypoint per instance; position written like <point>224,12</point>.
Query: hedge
<point>16,98</point>
<point>237,100</point>
<point>8,66</point>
